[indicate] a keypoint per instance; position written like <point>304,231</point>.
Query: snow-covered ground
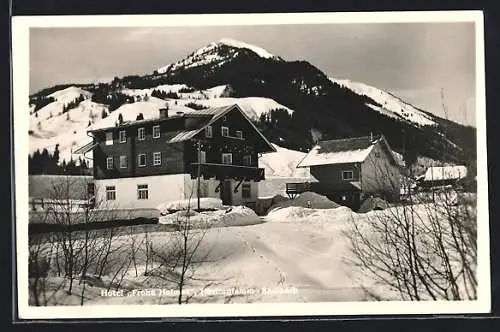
<point>232,216</point>
<point>49,126</point>
<point>69,94</point>
<point>391,106</point>
<point>185,204</point>
<point>294,254</point>
<point>301,261</point>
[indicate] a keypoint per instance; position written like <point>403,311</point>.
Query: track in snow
<point>290,274</point>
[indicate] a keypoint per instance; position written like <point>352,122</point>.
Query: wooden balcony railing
<point>295,188</point>
<point>226,171</point>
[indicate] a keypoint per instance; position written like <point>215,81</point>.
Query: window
<point>110,193</point>
<point>347,175</point>
<point>247,160</point>
<point>246,190</point>
<point>156,131</point>
<point>227,158</point>
<point>239,134</point>
<point>123,161</point>
<point>141,160</point>
<point>109,138</point>
<point>208,131</point>
<point>224,131</point>
<point>142,191</point>
<point>141,134</point>
<point>109,163</point>
<point>123,136</point>
<point>156,158</point>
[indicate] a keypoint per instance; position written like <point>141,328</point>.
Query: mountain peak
<point>239,44</point>
<point>214,55</point>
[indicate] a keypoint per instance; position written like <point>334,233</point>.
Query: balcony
<point>226,171</point>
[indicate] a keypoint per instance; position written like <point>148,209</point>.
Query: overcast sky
<point>412,60</point>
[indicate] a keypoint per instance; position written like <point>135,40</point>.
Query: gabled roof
<point>217,113</point>
<point>212,114</point>
<point>86,148</point>
<point>341,151</point>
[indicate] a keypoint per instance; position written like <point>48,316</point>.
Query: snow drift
<point>306,215</point>
<point>306,200</point>
<point>185,204</point>
<point>233,216</point>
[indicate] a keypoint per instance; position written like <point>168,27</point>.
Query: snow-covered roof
<point>439,173</point>
<point>216,113</point>
<point>182,135</point>
<point>341,151</point>
<point>212,115</point>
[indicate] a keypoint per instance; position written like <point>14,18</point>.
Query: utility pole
<point>198,175</point>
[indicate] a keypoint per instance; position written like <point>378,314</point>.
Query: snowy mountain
<point>68,130</point>
<point>215,54</point>
<point>391,105</point>
<point>69,94</point>
<point>300,103</point>
<point>51,125</point>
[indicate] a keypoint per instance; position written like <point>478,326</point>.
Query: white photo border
<point>20,63</point>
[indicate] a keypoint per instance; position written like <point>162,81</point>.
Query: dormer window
<point>208,132</point>
<point>239,134</point>
<point>156,131</point>
<point>141,134</point>
<point>109,138</point>
<point>224,131</point>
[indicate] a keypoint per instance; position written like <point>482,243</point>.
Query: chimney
<point>164,112</point>
<point>371,136</point>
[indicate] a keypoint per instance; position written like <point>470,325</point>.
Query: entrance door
<point>225,192</point>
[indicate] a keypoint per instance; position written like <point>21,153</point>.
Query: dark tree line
<point>73,104</point>
<point>113,100</point>
<point>42,102</point>
<point>48,163</point>
<point>164,95</point>
<point>187,90</point>
<point>196,106</point>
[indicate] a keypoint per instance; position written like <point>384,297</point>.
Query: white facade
<point>163,188</point>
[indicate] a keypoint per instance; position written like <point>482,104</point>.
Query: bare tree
<point>422,248</point>
<point>76,243</point>
<point>39,265</point>
<point>180,258</point>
